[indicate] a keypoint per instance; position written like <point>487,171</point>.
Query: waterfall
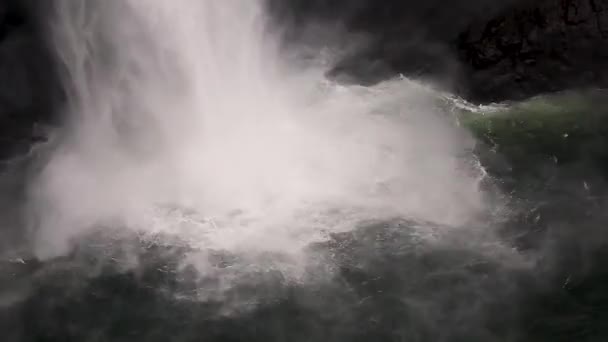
<point>189,118</point>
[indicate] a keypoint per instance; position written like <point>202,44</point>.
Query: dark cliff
<point>401,36</point>
<point>29,95</point>
<point>29,87</point>
<point>487,50</point>
<point>550,46</point>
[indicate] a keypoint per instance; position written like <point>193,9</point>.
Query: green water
<point>563,129</point>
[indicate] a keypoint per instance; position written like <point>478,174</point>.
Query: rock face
<point>550,46</point>
<point>29,85</point>
<point>402,36</point>
<point>487,50</point>
<point>29,94</point>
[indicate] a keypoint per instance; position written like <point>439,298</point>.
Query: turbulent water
<point>172,110</point>
<point>210,183</point>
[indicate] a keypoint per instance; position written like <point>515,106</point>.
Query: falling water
<point>189,119</point>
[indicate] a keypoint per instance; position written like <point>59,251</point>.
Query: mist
<point>178,124</point>
<point>226,170</point>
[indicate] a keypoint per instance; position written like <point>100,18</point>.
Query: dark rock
<point>542,47</point>
<point>30,87</point>
<point>485,50</point>
<point>401,36</point>
<point>29,94</point>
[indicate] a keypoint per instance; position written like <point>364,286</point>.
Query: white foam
<point>190,104</point>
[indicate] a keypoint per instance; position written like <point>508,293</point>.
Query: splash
<point>186,118</point>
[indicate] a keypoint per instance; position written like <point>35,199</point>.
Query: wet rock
<point>541,47</point>
<point>413,38</point>
<point>29,86</point>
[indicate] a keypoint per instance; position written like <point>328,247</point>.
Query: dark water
<point>387,286</point>
<point>379,282</point>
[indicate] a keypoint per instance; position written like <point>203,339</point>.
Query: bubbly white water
<point>185,117</point>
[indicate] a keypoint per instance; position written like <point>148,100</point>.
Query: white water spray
<point>188,106</point>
